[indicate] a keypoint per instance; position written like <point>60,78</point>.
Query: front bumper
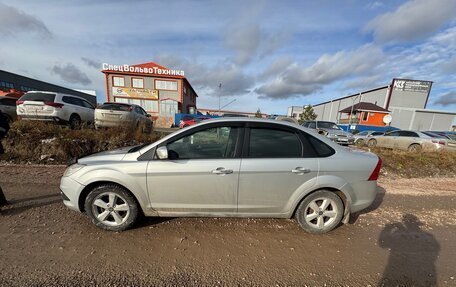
<point>71,190</point>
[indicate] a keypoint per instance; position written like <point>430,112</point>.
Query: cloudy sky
<point>267,54</point>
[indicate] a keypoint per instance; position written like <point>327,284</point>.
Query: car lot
<point>41,243</point>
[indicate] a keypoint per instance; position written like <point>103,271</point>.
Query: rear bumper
<point>110,124</point>
<point>42,118</point>
<point>363,194</point>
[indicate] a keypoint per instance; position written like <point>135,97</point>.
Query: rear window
<point>38,97</point>
<point>115,107</point>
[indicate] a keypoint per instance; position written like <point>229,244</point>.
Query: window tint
<point>312,125</point>
<point>328,125</point>
<point>266,142</point>
<point>8,102</point>
<point>322,149</point>
<point>210,143</point>
<point>392,134</point>
<point>377,133</point>
<point>408,134</point>
<point>87,104</point>
<point>363,133</point>
<point>115,107</point>
<point>39,97</point>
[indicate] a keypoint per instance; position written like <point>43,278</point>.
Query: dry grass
<point>40,142</point>
<point>404,164</point>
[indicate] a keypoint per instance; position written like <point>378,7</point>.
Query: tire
<point>322,219</point>
<point>75,122</point>
<point>103,200</point>
<point>359,142</point>
<point>372,143</point>
<point>415,148</point>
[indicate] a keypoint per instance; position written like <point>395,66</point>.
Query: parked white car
<point>118,114</point>
<point>55,107</point>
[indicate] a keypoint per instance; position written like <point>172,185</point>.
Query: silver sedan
<point>226,168</point>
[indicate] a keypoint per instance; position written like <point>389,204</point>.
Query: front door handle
<point>300,170</point>
<point>222,170</point>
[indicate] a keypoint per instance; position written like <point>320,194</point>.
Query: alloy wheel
<point>110,209</point>
<point>321,212</point>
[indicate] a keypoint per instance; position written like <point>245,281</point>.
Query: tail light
<point>376,172</point>
<point>55,105</point>
<point>19,102</point>
<point>439,142</point>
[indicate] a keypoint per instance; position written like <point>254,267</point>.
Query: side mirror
<point>148,115</point>
<point>162,152</point>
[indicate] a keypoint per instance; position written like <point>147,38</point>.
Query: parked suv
<point>55,107</point>
<point>8,108</point>
<point>332,131</point>
<point>118,114</point>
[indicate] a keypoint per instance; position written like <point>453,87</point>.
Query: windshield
<point>328,125</point>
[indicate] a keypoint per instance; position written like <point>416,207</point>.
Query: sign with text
<point>135,93</point>
<point>142,70</point>
<point>412,86</point>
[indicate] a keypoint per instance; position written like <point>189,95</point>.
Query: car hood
<point>337,132</point>
<point>111,155</point>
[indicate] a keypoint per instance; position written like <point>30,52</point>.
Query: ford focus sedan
<point>226,168</point>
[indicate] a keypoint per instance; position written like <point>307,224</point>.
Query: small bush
<point>41,142</point>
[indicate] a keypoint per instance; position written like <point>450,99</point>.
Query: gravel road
<point>407,238</point>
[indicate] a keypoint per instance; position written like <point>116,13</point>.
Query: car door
<point>388,140</point>
<point>201,174</point>
<point>405,139</point>
<point>273,168</point>
<point>89,111</point>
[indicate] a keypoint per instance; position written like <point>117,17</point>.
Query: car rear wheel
<point>320,212</point>
<point>75,122</point>
<point>415,148</point>
<point>111,207</point>
<point>372,143</point>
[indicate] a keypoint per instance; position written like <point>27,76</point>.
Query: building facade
<point>15,85</point>
<point>405,99</point>
<point>160,91</point>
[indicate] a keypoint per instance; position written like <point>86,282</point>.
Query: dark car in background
<point>332,131</point>
<point>8,108</point>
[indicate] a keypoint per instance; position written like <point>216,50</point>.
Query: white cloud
<point>297,80</point>
<point>14,21</point>
<point>447,99</point>
<point>71,74</point>
<point>412,21</point>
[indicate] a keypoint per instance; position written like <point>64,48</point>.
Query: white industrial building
<point>405,99</point>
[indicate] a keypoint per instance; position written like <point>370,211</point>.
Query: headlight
<point>73,168</point>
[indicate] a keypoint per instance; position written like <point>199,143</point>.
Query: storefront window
<point>166,85</point>
<point>118,81</point>
<point>168,108</point>
<point>137,83</point>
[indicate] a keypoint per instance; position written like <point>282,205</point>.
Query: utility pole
<point>220,93</point>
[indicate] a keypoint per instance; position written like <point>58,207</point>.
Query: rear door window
<point>38,97</point>
<point>273,143</point>
<point>408,134</point>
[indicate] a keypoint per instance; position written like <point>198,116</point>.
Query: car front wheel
<point>320,212</point>
<point>111,207</point>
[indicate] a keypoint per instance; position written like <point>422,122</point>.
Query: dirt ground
<point>407,238</point>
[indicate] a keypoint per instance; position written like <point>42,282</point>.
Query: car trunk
<point>38,104</point>
<point>113,113</point>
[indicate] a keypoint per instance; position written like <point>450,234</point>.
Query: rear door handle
<point>222,170</point>
<point>300,170</point>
